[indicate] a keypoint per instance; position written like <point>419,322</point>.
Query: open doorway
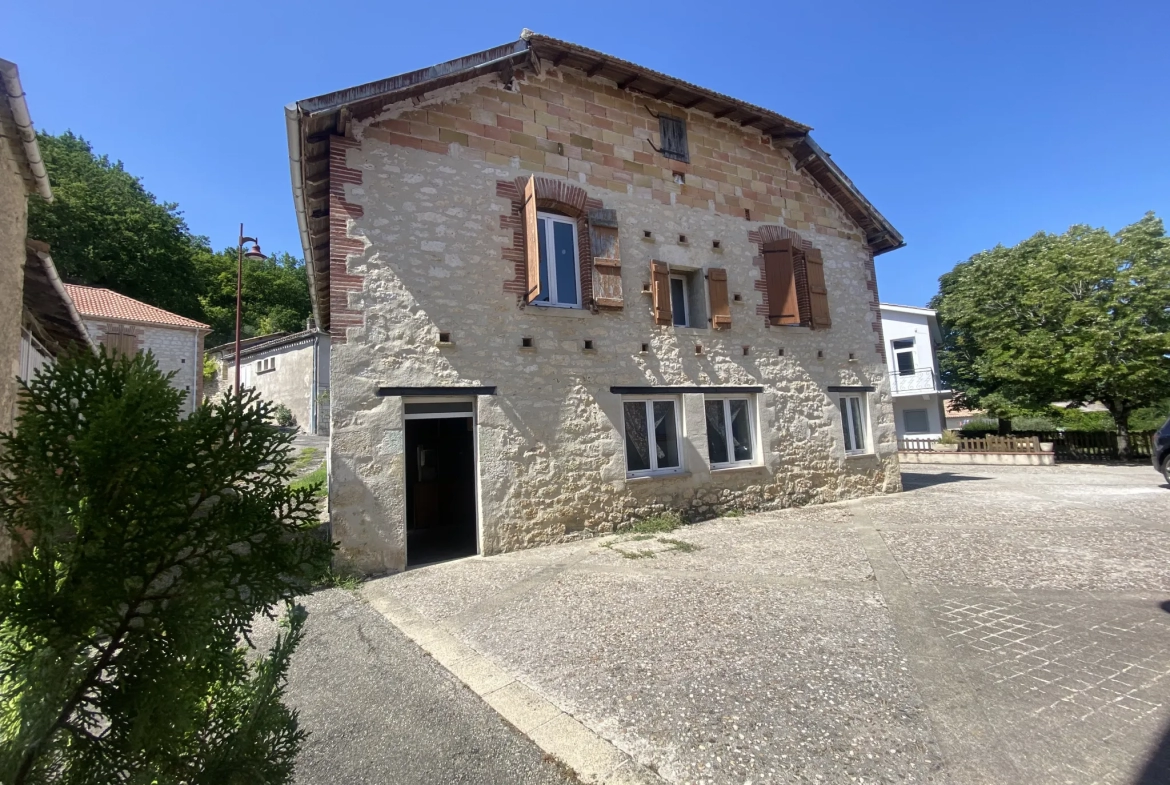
<point>440,482</point>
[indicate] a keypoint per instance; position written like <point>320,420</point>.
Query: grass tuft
<point>305,457</point>
<point>313,478</point>
<point>657,524</point>
<point>679,545</point>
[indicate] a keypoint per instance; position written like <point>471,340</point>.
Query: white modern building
<point>912,335</point>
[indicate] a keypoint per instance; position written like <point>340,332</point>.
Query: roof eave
<point>14,91</point>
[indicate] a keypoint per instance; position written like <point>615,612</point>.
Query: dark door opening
<point>440,490</point>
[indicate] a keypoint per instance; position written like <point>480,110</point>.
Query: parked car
<point>1160,455</point>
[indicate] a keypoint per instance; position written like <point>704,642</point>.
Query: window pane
<point>637,443</point>
<point>678,301</point>
<point>741,430</point>
<point>541,227</point>
<point>665,434</point>
<point>716,432</point>
<point>845,424</point>
<point>902,343</point>
<point>905,363</point>
<point>916,421</point>
<point>858,430</point>
<point>566,263</point>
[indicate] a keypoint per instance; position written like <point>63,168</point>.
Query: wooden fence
<point>1096,445</point>
<point>1067,445</point>
<point>989,443</point>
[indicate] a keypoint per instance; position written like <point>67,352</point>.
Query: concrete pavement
<point>991,624</point>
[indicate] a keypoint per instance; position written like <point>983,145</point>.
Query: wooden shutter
<point>779,278</point>
<point>717,294</point>
<point>531,240</point>
<point>607,263</point>
<point>817,293</point>
<point>660,287</point>
<point>673,137</point>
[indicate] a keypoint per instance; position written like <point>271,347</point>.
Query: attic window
<point>680,178</point>
<point>673,131</point>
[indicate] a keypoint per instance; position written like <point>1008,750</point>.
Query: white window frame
<point>847,422</point>
<point>909,350</point>
<point>686,299</point>
<point>649,401</point>
<point>750,400</point>
<point>543,225</point>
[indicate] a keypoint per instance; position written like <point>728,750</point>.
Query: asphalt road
<point>379,710</point>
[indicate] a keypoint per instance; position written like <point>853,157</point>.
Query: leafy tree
<point>275,295</point>
<point>1081,316</point>
<point>105,229</point>
<point>146,545</point>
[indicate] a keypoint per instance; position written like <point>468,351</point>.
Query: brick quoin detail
<point>875,304</point>
<point>341,245</point>
<point>551,194</point>
<point>770,233</point>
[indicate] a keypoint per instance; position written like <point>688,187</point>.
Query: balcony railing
<point>917,382</point>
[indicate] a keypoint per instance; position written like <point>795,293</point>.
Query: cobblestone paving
<point>988,625</point>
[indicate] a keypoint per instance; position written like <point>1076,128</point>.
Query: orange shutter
<point>660,286</point>
<point>783,307</point>
<point>607,263</point>
<point>818,294</point>
<point>531,240</point>
<point>717,293</point>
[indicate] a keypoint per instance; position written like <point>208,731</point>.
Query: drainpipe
<point>313,392</point>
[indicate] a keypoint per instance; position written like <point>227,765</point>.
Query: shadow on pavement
<point>912,481</point>
<point>1157,768</point>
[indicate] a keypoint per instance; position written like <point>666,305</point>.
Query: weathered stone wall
<point>175,349</point>
<point>13,228</point>
<point>428,237</point>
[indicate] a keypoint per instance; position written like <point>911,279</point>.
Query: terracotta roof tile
<point>105,304</point>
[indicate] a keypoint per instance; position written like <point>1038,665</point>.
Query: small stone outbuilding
<point>118,323</point>
<point>291,369</point>
<point>566,292</point>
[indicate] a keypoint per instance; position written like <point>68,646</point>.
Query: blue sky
<point>967,125</point>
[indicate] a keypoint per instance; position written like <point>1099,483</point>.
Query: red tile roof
<point>97,303</point>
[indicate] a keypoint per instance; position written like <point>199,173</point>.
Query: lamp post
<point>254,253</point>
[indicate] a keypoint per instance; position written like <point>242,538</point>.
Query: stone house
<point>286,368</point>
<point>37,317</point>
<point>918,394</point>
<point>566,292</point>
<point>118,323</point>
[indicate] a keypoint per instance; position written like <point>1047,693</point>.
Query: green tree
<point>275,295</point>
<point>146,545</point>
<point>1081,316</point>
<point>105,229</point>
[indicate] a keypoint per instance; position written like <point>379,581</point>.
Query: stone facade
<point>424,221</point>
<point>13,229</point>
<point>177,350</point>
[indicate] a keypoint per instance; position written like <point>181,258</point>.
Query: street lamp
<point>254,253</point>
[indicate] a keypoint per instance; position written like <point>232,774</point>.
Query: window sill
<point>851,455</point>
<point>657,476</point>
<point>561,311</point>
<point>740,467</point>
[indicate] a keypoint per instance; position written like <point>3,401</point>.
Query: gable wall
<point>176,350</point>
<point>426,217</point>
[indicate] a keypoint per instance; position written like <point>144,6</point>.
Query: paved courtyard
<point>988,625</point>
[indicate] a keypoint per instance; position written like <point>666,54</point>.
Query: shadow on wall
<point>912,481</point>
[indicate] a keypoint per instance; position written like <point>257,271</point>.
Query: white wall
<point>897,325</point>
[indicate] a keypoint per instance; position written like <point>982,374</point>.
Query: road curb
<point>595,760</point>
